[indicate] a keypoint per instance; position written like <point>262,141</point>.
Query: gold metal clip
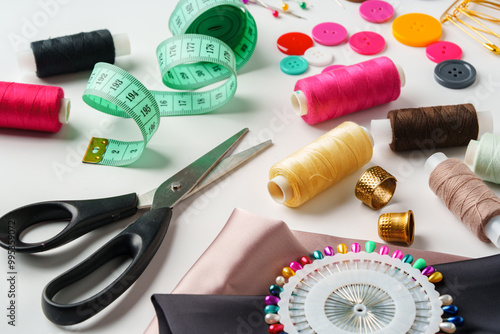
<point>95,150</point>
<point>459,12</point>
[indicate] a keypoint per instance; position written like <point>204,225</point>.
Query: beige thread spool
<point>317,166</point>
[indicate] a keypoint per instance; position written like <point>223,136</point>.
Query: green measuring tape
<point>212,40</point>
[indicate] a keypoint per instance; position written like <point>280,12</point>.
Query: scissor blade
<point>227,165</point>
<point>178,186</point>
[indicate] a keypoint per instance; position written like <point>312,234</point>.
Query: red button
<point>294,43</point>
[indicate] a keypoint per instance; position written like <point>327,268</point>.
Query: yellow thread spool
<point>317,166</point>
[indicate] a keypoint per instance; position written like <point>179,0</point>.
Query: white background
<point>37,167</point>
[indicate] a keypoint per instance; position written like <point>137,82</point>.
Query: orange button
<point>416,29</point>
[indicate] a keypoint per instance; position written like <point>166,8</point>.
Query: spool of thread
<point>73,53</point>
<point>317,166</point>
<point>483,157</point>
<point>431,127</point>
<point>348,89</point>
<point>32,107</point>
<point>466,196</point>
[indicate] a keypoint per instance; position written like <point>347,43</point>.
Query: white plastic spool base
<point>470,154</point>
<point>492,228</point>
<point>26,59</point>
<point>279,187</point>
<point>64,110</point>
<point>382,130</point>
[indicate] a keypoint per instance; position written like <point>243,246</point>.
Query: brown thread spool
<point>466,196</point>
<point>429,128</point>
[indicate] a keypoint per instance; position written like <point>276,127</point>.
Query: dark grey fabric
<point>473,284</point>
<point>210,314</point>
<point>475,288</point>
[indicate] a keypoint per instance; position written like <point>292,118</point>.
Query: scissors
<point>140,240</point>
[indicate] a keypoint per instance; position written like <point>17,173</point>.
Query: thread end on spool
<point>402,76</point>
<point>279,188</point>
<point>122,44</point>
<point>492,231</point>
<point>368,134</point>
<point>64,110</point>
<point>433,161</point>
<point>299,103</point>
<point>26,60</point>
<point>470,154</point>
<point>381,130</point>
<point>485,122</point>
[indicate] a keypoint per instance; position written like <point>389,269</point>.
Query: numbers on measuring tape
<point>187,61</point>
<point>145,110</point>
<point>178,21</point>
<point>101,78</point>
<point>172,51</point>
<point>114,91</point>
<point>152,128</point>
<point>131,96</point>
<point>115,85</point>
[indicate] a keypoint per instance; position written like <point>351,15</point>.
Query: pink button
<point>367,42</point>
<point>441,51</point>
<point>329,33</point>
<point>376,11</point>
<point>331,68</point>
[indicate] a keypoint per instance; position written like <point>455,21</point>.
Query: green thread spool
<point>483,157</point>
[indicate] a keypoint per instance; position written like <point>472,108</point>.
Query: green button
<point>293,65</point>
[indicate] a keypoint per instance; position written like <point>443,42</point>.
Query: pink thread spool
<point>32,107</point>
<point>348,89</point>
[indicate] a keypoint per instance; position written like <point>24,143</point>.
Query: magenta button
<point>376,11</point>
<point>441,51</point>
<point>367,42</point>
<point>329,33</point>
<point>294,43</point>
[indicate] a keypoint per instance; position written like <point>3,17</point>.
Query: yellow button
<point>416,29</point>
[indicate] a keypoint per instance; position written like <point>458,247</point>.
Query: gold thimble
<point>397,227</point>
<point>375,187</point>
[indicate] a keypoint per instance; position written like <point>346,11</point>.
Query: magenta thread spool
<point>348,89</point>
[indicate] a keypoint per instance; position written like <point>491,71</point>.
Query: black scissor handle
<point>139,240</point>
<point>84,216</point>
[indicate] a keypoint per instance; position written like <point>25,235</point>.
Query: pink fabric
<point>245,243</point>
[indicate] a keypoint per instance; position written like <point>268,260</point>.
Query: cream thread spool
<point>315,167</point>
<point>483,157</point>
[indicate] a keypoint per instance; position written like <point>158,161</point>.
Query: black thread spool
<point>428,128</point>
<point>74,53</point>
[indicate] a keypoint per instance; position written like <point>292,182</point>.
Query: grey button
<point>455,74</point>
